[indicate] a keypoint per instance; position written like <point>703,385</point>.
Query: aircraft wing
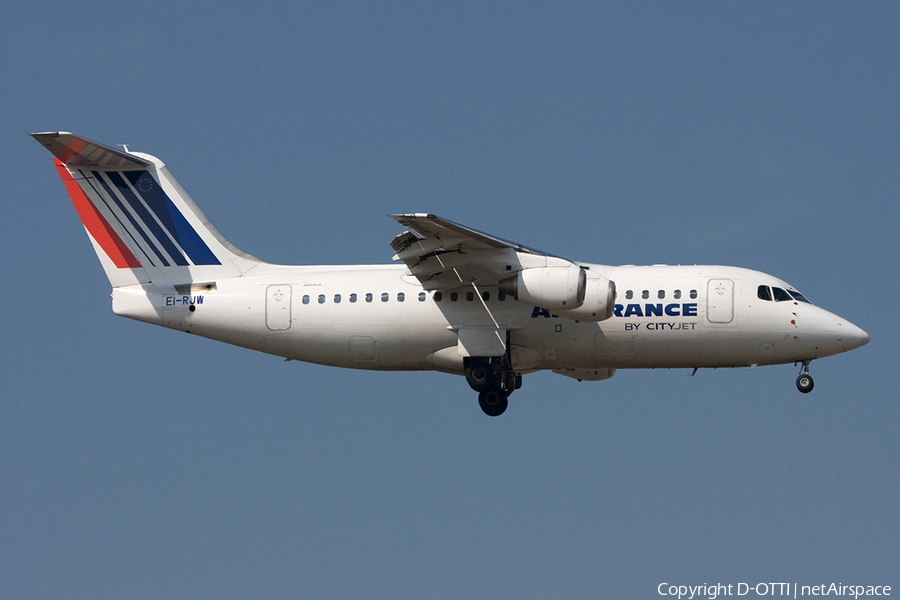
<point>442,254</point>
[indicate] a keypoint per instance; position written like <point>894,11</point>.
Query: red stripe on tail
<point>96,225</point>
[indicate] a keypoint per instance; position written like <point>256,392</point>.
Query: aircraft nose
<point>853,337</point>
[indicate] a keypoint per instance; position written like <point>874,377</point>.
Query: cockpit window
<point>781,295</point>
<point>764,293</point>
<point>799,297</point>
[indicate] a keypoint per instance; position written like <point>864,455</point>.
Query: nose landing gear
<point>805,381</point>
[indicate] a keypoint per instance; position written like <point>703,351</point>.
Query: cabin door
<point>278,307</point>
<point>720,301</point>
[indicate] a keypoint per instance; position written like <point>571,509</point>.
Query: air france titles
<point>687,309</point>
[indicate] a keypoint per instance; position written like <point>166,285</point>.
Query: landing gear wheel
<point>805,380</point>
<point>493,401</point>
<point>479,376</point>
<point>805,383</point>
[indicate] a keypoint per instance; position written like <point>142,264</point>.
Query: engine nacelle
<point>554,288</point>
<point>599,301</point>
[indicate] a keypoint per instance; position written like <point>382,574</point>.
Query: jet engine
<point>569,292</point>
<point>555,288</point>
<point>599,300</point>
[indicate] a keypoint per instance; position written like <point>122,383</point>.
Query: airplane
<point>455,300</point>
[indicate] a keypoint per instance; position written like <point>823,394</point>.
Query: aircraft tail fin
<point>143,225</point>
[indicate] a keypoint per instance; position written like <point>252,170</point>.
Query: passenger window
<point>352,297</point>
<point>454,296</point>
<point>421,296</point>
<point>485,296</point>
<point>470,296</point>
<point>368,297</point>
<point>306,299</point>
<point>401,296</point>
<point>501,296</point>
<point>337,298</point>
<point>764,293</point>
<point>693,294</point>
<point>781,295</point>
<point>438,296</point>
<point>629,295</point>
<point>661,294</point>
<point>385,297</point>
<point>677,294</point>
<point>321,298</point>
<point>645,294</point>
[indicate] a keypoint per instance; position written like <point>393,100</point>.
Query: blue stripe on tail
<point>131,219</point>
<point>147,218</point>
<point>171,218</point>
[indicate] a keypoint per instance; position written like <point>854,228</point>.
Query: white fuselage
<point>379,317</point>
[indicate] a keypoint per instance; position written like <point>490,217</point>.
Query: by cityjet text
<point>714,590</point>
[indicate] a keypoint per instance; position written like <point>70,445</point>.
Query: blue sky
<point>137,462</point>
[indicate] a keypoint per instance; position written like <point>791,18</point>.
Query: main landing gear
<point>805,381</point>
<point>494,381</point>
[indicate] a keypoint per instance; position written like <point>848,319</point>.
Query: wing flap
<point>409,246</point>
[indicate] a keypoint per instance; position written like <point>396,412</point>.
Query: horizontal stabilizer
<point>75,151</point>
